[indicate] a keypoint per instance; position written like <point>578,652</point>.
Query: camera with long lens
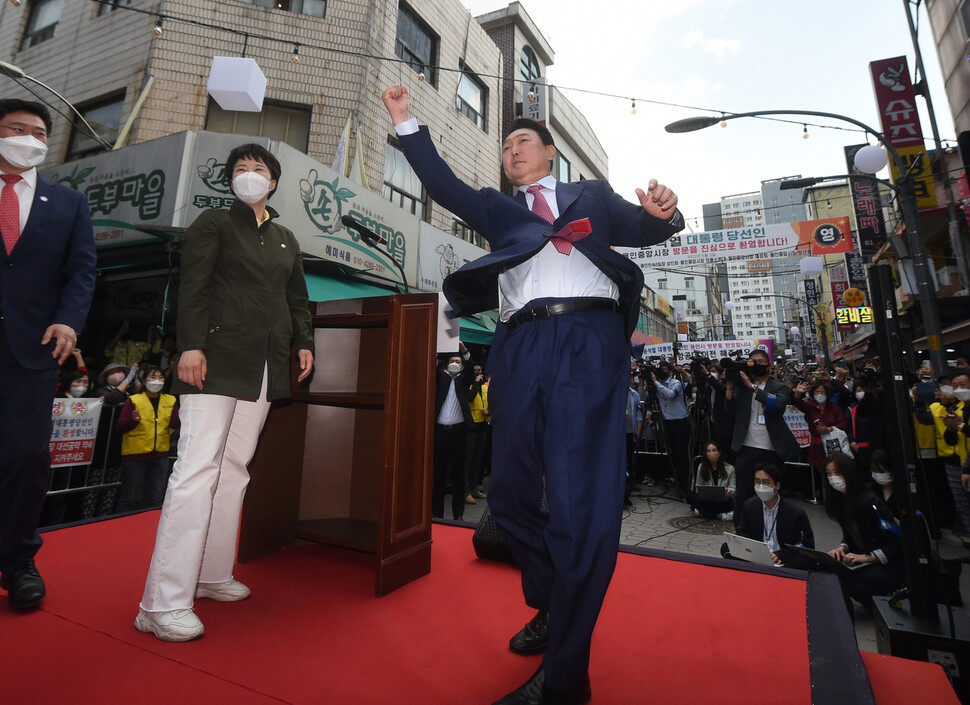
<point>733,369</point>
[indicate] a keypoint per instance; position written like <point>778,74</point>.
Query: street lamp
<point>907,202</point>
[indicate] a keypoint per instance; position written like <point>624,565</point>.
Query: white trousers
<point>199,526</point>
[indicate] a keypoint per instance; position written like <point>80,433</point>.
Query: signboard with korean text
<point>853,315</point>
<point>137,185</point>
<point>855,266</point>
<point>809,237</point>
<point>535,100</point>
<point>870,226</point>
<point>796,421</point>
<point>311,198</point>
<point>839,284</point>
<point>713,349</point>
<point>75,430</point>
<point>440,254</point>
<point>898,111</point>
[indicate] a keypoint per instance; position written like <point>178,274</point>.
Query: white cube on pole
<point>237,83</point>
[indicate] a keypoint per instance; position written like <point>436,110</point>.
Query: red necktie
<point>10,212</point>
<point>540,206</point>
<point>576,230</point>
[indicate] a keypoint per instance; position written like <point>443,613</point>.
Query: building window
<point>471,100</point>
<point>661,283</point>
<point>109,5</point>
<point>463,230</point>
<point>529,64</point>
<point>276,121</point>
<point>401,185</point>
<point>44,16</point>
<point>312,8</point>
<point>416,44</point>
<point>562,168</point>
<point>105,117</point>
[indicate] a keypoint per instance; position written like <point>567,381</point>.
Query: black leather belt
<point>541,313</point>
<point>446,426</point>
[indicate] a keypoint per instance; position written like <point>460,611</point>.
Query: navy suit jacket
<point>515,233</point>
<point>775,396</point>
<point>49,276</point>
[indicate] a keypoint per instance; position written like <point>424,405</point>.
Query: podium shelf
<point>351,320</point>
<point>353,399</point>
<point>358,534</point>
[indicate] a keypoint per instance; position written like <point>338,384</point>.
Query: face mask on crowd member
<point>821,398</point>
<point>761,366</point>
<point>837,483</point>
<point>251,187</point>
<point>860,394</point>
<point>881,478</point>
<point>79,388</point>
<point>947,390</point>
<point>765,486</point>
<point>962,394</point>
<point>23,151</point>
<point>454,366</point>
<point>154,385</point>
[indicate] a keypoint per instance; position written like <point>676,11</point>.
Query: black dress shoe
<point>533,637</point>
<point>534,692</point>
<point>24,586</point>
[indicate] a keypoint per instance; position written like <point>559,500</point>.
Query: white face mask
<point>947,390</point>
<point>962,394</point>
<point>837,483</point>
<point>764,493</point>
<point>454,368</point>
<point>155,385</point>
<point>821,398</point>
<point>78,390</point>
<point>250,187</point>
<point>859,395</point>
<point>23,151</point>
<point>882,478</point>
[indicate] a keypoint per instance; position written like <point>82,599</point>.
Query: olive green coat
<point>242,301</point>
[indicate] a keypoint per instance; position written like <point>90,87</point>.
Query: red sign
<point>901,124</point>
<point>838,290</point>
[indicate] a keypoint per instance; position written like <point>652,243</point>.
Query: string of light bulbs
<point>161,17</point>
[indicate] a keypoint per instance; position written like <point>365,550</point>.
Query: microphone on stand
<point>373,240</point>
<point>370,237</point>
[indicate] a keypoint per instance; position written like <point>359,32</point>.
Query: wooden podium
<point>348,461</point>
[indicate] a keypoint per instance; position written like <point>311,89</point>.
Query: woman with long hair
<point>713,471</point>
<point>822,416</point>
<point>869,534</point>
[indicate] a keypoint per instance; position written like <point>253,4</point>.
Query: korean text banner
<point>810,237</point>
<point>75,430</point>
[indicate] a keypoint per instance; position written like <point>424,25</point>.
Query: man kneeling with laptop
<point>769,520</point>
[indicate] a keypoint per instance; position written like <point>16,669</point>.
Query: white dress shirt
<point>450,413</point>
<point>25,189</point>
<point>757,430</point>
<point>548,273</point>
<point>771,525</point>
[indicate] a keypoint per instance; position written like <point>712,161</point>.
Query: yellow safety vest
<point>963,443</point>
<point>150,434</point>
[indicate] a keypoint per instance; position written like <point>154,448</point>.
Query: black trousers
<point>678,437</point>
<point>449,463</point>
<point>26,397</point>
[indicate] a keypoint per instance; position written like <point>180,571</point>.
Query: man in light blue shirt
<point>670,392</point>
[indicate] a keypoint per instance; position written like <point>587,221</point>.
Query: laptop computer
<point>824,560</point>
<point>711,493</point>
<point>746,549</point>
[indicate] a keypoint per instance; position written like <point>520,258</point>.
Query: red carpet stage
<point>672,631</point>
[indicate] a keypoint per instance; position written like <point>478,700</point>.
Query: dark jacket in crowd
<point>775,397</point>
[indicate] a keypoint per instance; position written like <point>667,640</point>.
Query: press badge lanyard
<point>770,530</point>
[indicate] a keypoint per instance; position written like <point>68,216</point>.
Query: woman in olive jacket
<point>242,309</point>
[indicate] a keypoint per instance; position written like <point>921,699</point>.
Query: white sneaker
<point>726,516</point>
<point>174,625</point>
<point>229,591</point>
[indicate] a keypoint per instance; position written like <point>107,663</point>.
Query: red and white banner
<point>75,430</point>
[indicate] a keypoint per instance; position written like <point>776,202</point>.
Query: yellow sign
<point>854,297</point>
<point>854,315</point>
<point>918,163</point>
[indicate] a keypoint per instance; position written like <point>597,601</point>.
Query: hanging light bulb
<point>723,122</point>
<point>828,204</point>
<point>157,29</point>
<point>421,76</point>
<point>15,3</point>
<point>532,92</point>
<point>296,54</point>
<point>633,107</point>
<point>804,132</point>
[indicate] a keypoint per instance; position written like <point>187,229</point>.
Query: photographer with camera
<point>673,406</point>
<point>761,435</point>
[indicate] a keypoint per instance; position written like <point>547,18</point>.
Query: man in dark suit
<point>760,432</point>
<point>46,284</point>
<point>453,419</point>
<point>769,518</point>
<point>560,370</point>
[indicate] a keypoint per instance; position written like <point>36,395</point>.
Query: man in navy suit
<point>560,369</point>
<point>47,273</point>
